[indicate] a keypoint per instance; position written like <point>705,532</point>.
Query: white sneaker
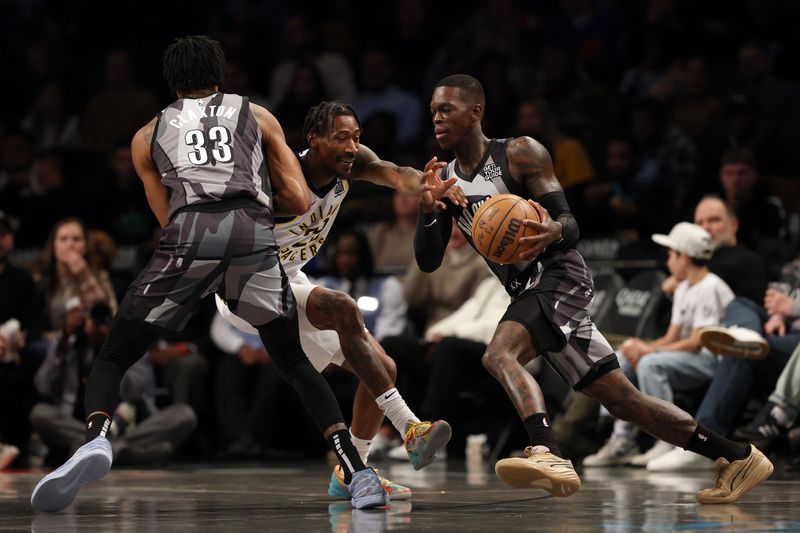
<point>58,488</point>
<point>616,451</point>
<point>659,448</point>
<point>734,342</point>
<point>8,452</point>
<point>679,460</point>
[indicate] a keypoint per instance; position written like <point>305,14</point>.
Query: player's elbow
<point>296,203</point>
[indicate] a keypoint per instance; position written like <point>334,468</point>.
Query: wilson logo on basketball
<point>508,237</point>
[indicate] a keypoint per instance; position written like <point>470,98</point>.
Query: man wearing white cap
<point>675,361</point>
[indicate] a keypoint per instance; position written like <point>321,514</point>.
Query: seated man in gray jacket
<point>142,434</point>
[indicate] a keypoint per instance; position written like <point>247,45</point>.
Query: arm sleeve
<point>556,204</point>
<point>431,238</point>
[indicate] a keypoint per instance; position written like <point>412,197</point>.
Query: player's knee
<point>346,315</point>
<point>492,361</point>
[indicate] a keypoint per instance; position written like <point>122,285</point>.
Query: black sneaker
<point>763,426</point>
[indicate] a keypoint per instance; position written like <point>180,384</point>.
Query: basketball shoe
<point>734,479</point>
<point>58,488</point>
<point>424,439</point>
<point>540,469</point>
<point>338,489</point>
<point>366,490</point>
<point>734,342</point>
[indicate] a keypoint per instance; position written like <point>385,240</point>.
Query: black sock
<point>708,444</point>
<point>541,432</point>
<point>347,454</point>
<point>97,425</point>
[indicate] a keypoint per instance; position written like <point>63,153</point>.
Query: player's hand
<point>777,303</point>
<point>432,185</point>
<point>456,195</point>
<point>776,325</point>
<point>549,231</point>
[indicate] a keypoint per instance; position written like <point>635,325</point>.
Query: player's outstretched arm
<point>157,193</point>
<point>290,191</point>
<point>530,164</point>
<point>370,167</point>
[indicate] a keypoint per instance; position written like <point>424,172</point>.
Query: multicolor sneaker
<point>540,469</point>
<point>424,439</point>
<point>337,488</point>
<point>366,490</point>
<point>58,488</point>
<point>736,478</point>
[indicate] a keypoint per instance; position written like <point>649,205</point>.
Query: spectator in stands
<point>757,343</point>
<point>676,361</point>
<point>695,106</point>
<point>741,268</point>
<point>132,106</point>
<point>21,321</point>
<point>571,162</point>
<point>49,123</point>
<point>379,91</point>
<point>379,298</point>
<point>141,433</point>
<point>762,219</point>
<point>247,391</point>
<point>299,45</point>
<point>668,166</point>
<point>431,298</point>
<point>455,347</point>
<point>306,90</point>
<point>779,414</point>
<point>63,272</point>
<point>392,241</point>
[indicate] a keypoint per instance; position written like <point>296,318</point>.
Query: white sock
<point>362,446</point>
<point>396,410</point>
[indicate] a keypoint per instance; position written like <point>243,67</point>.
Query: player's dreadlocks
<point>194,62</point>
<point>319,118</point>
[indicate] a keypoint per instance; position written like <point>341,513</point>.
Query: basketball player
<point>209,163</point>
<point>551,290</point>
<point>331,327</point>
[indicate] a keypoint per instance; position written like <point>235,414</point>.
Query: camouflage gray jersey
<point>209,149</point>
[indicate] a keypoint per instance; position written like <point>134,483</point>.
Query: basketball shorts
<point>554,308</point>
<point>322,347</point>
<point>232,252</point>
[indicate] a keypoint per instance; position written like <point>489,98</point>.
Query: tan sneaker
<point>736,478</point>
<point>540,469</point>
<point>734,342</point>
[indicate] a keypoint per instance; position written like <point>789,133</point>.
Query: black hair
<point>194,62</point>
<point>470,87</point>
<point>366,265</point>
<point>320,117</point>
<point>739,155</point>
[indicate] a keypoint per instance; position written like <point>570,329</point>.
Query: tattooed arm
<point>157,193</point>
<point>530,165</point>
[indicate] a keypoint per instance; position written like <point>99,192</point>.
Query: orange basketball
<point>497,227</point>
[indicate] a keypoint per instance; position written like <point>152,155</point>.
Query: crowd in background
<point>646,108</point>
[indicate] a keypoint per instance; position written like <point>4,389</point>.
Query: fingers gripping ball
<point>497,227</point>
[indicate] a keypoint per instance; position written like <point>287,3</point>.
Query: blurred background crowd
<point>647,107</point>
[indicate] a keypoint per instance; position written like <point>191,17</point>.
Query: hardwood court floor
<point>293,497</point>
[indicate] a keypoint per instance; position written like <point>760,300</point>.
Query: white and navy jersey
<point>300,238</point>
<point>210,149</point>
<point>491,177</point>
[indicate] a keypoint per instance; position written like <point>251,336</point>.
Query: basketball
<point>497,227</point>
